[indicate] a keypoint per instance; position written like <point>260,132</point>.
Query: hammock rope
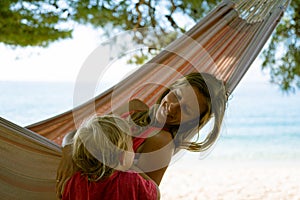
<point>224,43</point>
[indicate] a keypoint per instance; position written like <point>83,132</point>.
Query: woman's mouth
<point>166,113</point>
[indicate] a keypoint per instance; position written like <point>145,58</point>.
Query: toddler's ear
<point>125,160</point>
<point>122,158</point>
<point>122,162</point>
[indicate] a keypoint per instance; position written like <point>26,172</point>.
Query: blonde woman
<point>103,155</point>
<point>168,126</point>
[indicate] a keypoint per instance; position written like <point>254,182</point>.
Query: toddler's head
<point>101,145</point>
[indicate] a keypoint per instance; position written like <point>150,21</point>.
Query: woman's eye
<point>177,94</point>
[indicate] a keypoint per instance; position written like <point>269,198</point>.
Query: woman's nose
<point>173,107</point>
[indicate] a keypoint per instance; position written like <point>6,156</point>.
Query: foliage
<point>31,23</point>
<point>40,22</point>
<point>282,57</point>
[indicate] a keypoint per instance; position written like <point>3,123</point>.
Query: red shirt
<point>119,186</point>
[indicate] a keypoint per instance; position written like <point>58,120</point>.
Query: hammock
<point>224,43</point>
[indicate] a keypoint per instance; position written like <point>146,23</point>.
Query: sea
<point>261,122</point>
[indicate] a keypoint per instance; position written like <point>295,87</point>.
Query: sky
<point>62,60</point>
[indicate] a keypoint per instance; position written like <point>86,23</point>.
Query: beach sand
<point>233,180</point>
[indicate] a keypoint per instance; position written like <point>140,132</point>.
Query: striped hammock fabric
<point>224,43</point>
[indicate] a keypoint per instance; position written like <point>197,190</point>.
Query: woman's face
<point>181,105</point>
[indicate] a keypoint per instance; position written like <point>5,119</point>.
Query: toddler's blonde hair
<point>98,144</point>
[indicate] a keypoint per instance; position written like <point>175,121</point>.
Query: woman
<point>168,126</point>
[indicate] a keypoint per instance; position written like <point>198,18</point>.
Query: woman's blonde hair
<point>98,144</point>
<point>214,92</point>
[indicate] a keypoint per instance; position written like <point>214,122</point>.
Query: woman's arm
<point>155,155</point>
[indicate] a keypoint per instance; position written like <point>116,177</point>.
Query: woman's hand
<point>65,170</point>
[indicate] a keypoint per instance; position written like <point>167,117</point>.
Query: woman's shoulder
<point>161,139</point>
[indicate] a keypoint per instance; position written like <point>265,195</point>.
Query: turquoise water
<point>261,123</point>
